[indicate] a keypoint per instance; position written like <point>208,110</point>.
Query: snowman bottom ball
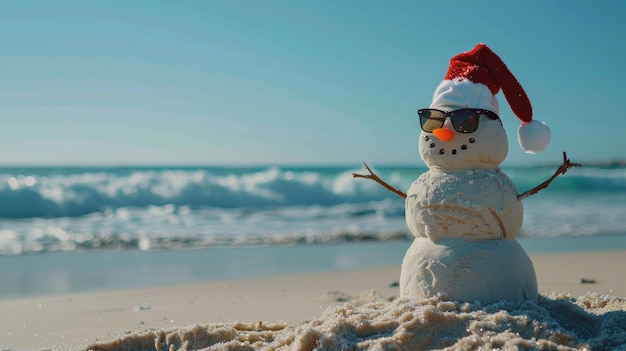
<point>463,270</point>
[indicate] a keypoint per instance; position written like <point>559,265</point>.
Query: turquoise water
<point>170,208</point>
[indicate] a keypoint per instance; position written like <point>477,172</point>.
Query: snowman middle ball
<point>478,204</point>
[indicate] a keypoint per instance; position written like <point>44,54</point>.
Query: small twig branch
<point>375,178</point>
<point>561,170</point>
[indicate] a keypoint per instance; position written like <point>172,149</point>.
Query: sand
<point>581,306</point>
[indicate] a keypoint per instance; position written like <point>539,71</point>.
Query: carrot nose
<point>444,134</point>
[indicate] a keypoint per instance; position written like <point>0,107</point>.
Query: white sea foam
<point>49,209</point>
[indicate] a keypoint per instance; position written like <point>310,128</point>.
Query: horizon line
<point>605,163</point>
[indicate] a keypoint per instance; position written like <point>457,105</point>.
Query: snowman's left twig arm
<point>561,170</point>
<point>375,178</point>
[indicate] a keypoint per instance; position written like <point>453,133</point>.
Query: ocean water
<point>161,208</point>
<point>66,230</point>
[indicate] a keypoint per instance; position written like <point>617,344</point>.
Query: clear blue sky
<point>308,82</point>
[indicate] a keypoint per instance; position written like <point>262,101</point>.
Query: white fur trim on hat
<point>533,136</point>
<point>462,93</point>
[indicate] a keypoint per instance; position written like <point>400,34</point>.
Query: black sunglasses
<point>464,120</point>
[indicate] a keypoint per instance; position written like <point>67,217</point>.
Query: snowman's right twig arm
<point>375,178</point>
<point>561,170</point>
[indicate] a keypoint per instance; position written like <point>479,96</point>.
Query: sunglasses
<point>464,120</point>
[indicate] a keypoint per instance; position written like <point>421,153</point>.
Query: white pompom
<point>533,136</point>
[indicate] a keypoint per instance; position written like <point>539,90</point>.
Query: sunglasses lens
<point>465,121</point>
<point>431,119</point>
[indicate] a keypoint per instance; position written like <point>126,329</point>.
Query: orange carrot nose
<point>444,134</point>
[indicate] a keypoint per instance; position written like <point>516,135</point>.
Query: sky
<point>233,82</point>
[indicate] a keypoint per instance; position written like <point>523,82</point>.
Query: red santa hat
<point>473,80</point>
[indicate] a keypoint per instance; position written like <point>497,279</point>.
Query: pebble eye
<point>472,140</point>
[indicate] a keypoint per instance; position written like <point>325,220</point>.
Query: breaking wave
<point>52,209</point>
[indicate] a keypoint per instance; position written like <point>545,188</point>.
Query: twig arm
<point>561,170</point>
<point>375,178</point>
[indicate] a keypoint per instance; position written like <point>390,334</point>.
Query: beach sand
<point>357,309</point>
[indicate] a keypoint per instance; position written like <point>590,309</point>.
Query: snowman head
<point>463,108</point>
<point>462,130</point>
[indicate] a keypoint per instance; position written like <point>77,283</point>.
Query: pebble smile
<point>442,151</point>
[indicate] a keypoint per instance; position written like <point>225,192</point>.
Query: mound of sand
<point>556,322</point>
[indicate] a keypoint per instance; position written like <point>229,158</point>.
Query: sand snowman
<point>464,212</point>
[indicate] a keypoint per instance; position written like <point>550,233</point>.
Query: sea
<point>74,229</point>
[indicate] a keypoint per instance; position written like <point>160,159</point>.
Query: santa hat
<point>473,80</point>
